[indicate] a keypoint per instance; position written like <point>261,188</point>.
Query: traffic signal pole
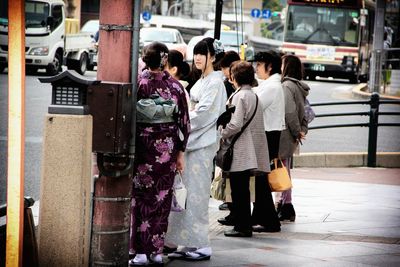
<point>218,19</point>
<point>112,193</point>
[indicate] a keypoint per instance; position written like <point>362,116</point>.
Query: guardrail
<point>373,123</point>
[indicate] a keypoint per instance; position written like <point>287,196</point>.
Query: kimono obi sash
<point>155,109</point>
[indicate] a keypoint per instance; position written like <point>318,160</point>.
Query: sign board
<point>146,15</point>
<point>255,13</point>
<point>266,14</point>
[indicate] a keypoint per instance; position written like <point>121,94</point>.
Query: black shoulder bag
<point>225,152</point>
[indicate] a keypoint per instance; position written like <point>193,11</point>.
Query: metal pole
<point>16,132</point>
<point>135,56</point>
<point>375,72</point>
<point>218,18</point>
<point>373,129</point>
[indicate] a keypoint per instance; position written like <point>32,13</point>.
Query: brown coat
<point>250,151</point>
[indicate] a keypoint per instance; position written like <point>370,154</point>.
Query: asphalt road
<point>38,98</point>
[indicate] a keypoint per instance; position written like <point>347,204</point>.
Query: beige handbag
<point>278,178</point>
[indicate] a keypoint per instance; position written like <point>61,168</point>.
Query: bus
<point>333,38</point>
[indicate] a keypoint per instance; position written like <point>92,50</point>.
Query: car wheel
<point>55,67</point>
<point>353,79</point>
<point>83,64</point>
<point>90,67</point>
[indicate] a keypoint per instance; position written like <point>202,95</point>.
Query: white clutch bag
<point>179,194</point>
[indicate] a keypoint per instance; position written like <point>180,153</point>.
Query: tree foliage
<point>273,5</point>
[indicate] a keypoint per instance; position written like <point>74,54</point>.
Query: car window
<point>57,15</point>
<point>159,36</point>
<point>91,26</point>
<point>229,38</point>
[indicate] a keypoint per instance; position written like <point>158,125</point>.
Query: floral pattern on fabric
<point>157,147</point>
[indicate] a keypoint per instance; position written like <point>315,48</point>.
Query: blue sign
<point>146,15</point>
<point>266,13</point>
<point>255,13</point>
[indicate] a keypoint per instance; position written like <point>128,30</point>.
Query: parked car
<point>91,26</point>
<point>230,39</point>
<point>172,38</point>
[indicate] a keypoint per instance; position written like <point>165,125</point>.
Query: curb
<point>359,91</point>
<point>346,159</point>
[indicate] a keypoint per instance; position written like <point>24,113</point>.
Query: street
<point>38,98</point>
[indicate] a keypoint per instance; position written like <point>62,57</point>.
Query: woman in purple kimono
<point>161,137</point>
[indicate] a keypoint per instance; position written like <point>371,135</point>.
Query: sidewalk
<point>345,217</point>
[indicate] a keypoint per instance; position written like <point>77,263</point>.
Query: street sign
<point>146,15</point>
<point>266,13</point>
<point>255,13</point>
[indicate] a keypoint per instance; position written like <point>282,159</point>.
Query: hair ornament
<point>218,46</point>
<point>164,57</point>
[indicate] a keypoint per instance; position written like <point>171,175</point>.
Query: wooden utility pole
<point>16,132</point>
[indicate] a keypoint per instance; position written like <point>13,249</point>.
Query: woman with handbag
<point>270,91</point>
<point>161,137</point>
<point>189,228</point>
<point>295,92</point>
<point>250,150</point>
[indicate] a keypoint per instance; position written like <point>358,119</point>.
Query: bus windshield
<point>322,25</point>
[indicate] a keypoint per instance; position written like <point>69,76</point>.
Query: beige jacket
<point>250,151</point>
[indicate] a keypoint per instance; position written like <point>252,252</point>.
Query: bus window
<point>322,25</point>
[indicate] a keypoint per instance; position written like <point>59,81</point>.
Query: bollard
<point>373,129</point>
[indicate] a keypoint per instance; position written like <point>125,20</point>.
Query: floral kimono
<point>162,131</point>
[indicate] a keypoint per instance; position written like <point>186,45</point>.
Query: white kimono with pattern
<point>207,101</point>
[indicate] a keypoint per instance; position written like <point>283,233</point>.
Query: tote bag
<point>218,185</point>
<point>278,178</point>
<point>179,194</point>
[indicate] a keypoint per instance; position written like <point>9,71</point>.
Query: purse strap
<point>236,137</point>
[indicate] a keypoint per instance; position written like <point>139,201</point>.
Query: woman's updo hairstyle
<point>175,59</point>
<point>212,46</point>
<point>155,55</point>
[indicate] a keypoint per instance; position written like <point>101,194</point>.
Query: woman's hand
<point>302,136</point>
<point>180,162</point>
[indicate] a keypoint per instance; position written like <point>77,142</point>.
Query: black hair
<point>229,58</point>
<point>153,55</point>
<point>243,73</point>
<point>206,46</point>
<point>175,59</point>
<point>292,67</point>
<point>270,57</point>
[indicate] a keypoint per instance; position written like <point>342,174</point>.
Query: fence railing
<point>373,123</point>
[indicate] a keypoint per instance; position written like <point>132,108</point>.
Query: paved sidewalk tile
<point>345,217</point>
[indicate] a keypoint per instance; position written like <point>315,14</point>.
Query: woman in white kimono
<point>189,229</point>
